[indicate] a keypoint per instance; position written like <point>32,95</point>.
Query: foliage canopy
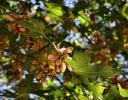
<point>64,49</point>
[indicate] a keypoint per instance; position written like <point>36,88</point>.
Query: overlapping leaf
<point>54,11</point>
<point>124,11</point>
<point>84,19</point>
<point>80,64</point>
<point>123,92</point>
<point>113,94</point>
<point>34,25</point>
<point>97,90</point>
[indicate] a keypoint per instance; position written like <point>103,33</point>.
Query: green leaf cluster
<point>80,64</point>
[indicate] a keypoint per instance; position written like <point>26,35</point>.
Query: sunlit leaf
<point>79,60</point>
<point>83,98</point>
<point>123,92</point>
<point>80,64</point>
<point>124,11</point>
<point>97,90</point>
<point>54,11</point>
<point>113,94</point>
<point>84,19</point>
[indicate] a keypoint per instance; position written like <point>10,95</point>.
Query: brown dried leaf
<point>9,17</point>
<point>34,62</point>
<point>63,67</point>
<point>51,58</point>
<point>70,49</point>
<point>58,62</point>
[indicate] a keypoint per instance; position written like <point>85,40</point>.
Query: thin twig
<point>55,47</point>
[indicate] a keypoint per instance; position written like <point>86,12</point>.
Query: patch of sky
<point>33,1</point>
<point>41,5</point>
<point>77,22</point>
<point>13,84</point>
<point>124,64</point>
<point>5,53</point>
<point>35,80</point>
<point>26,72</point>
<point>33,96</point>
<point>126,76</point>
<point>23,51</point>
<point>70,3</point>
<point>125,68</point>
<point>33,11</point>
<point>23,0</point>
<point>57,83</point>
<point>60,29</point>
<point>4,86</point>
<point>71,34</point>
<point>60,77</point>
<point>120,57</point>
<point>112,24</point>
<point>77,39</point>
<point>120,77</point>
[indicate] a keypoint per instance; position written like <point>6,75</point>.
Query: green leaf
<point>84,19</point>
<point>104,70</point>
<point>54,9</point>
<point>58,93</point>
<point>97,90</point>
<point>83,97</point>
<point>54,17</point>
<point>123,92</point>
<point>113,94</point>
<point>69,84</point>
<point>124,11</point>
<point>79,90</point>
<point>34,25</point>
<point>27,85</point>
<point>80,60</point>
<point>80,64</point>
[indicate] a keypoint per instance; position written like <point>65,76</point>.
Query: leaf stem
<point>55,47</point>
